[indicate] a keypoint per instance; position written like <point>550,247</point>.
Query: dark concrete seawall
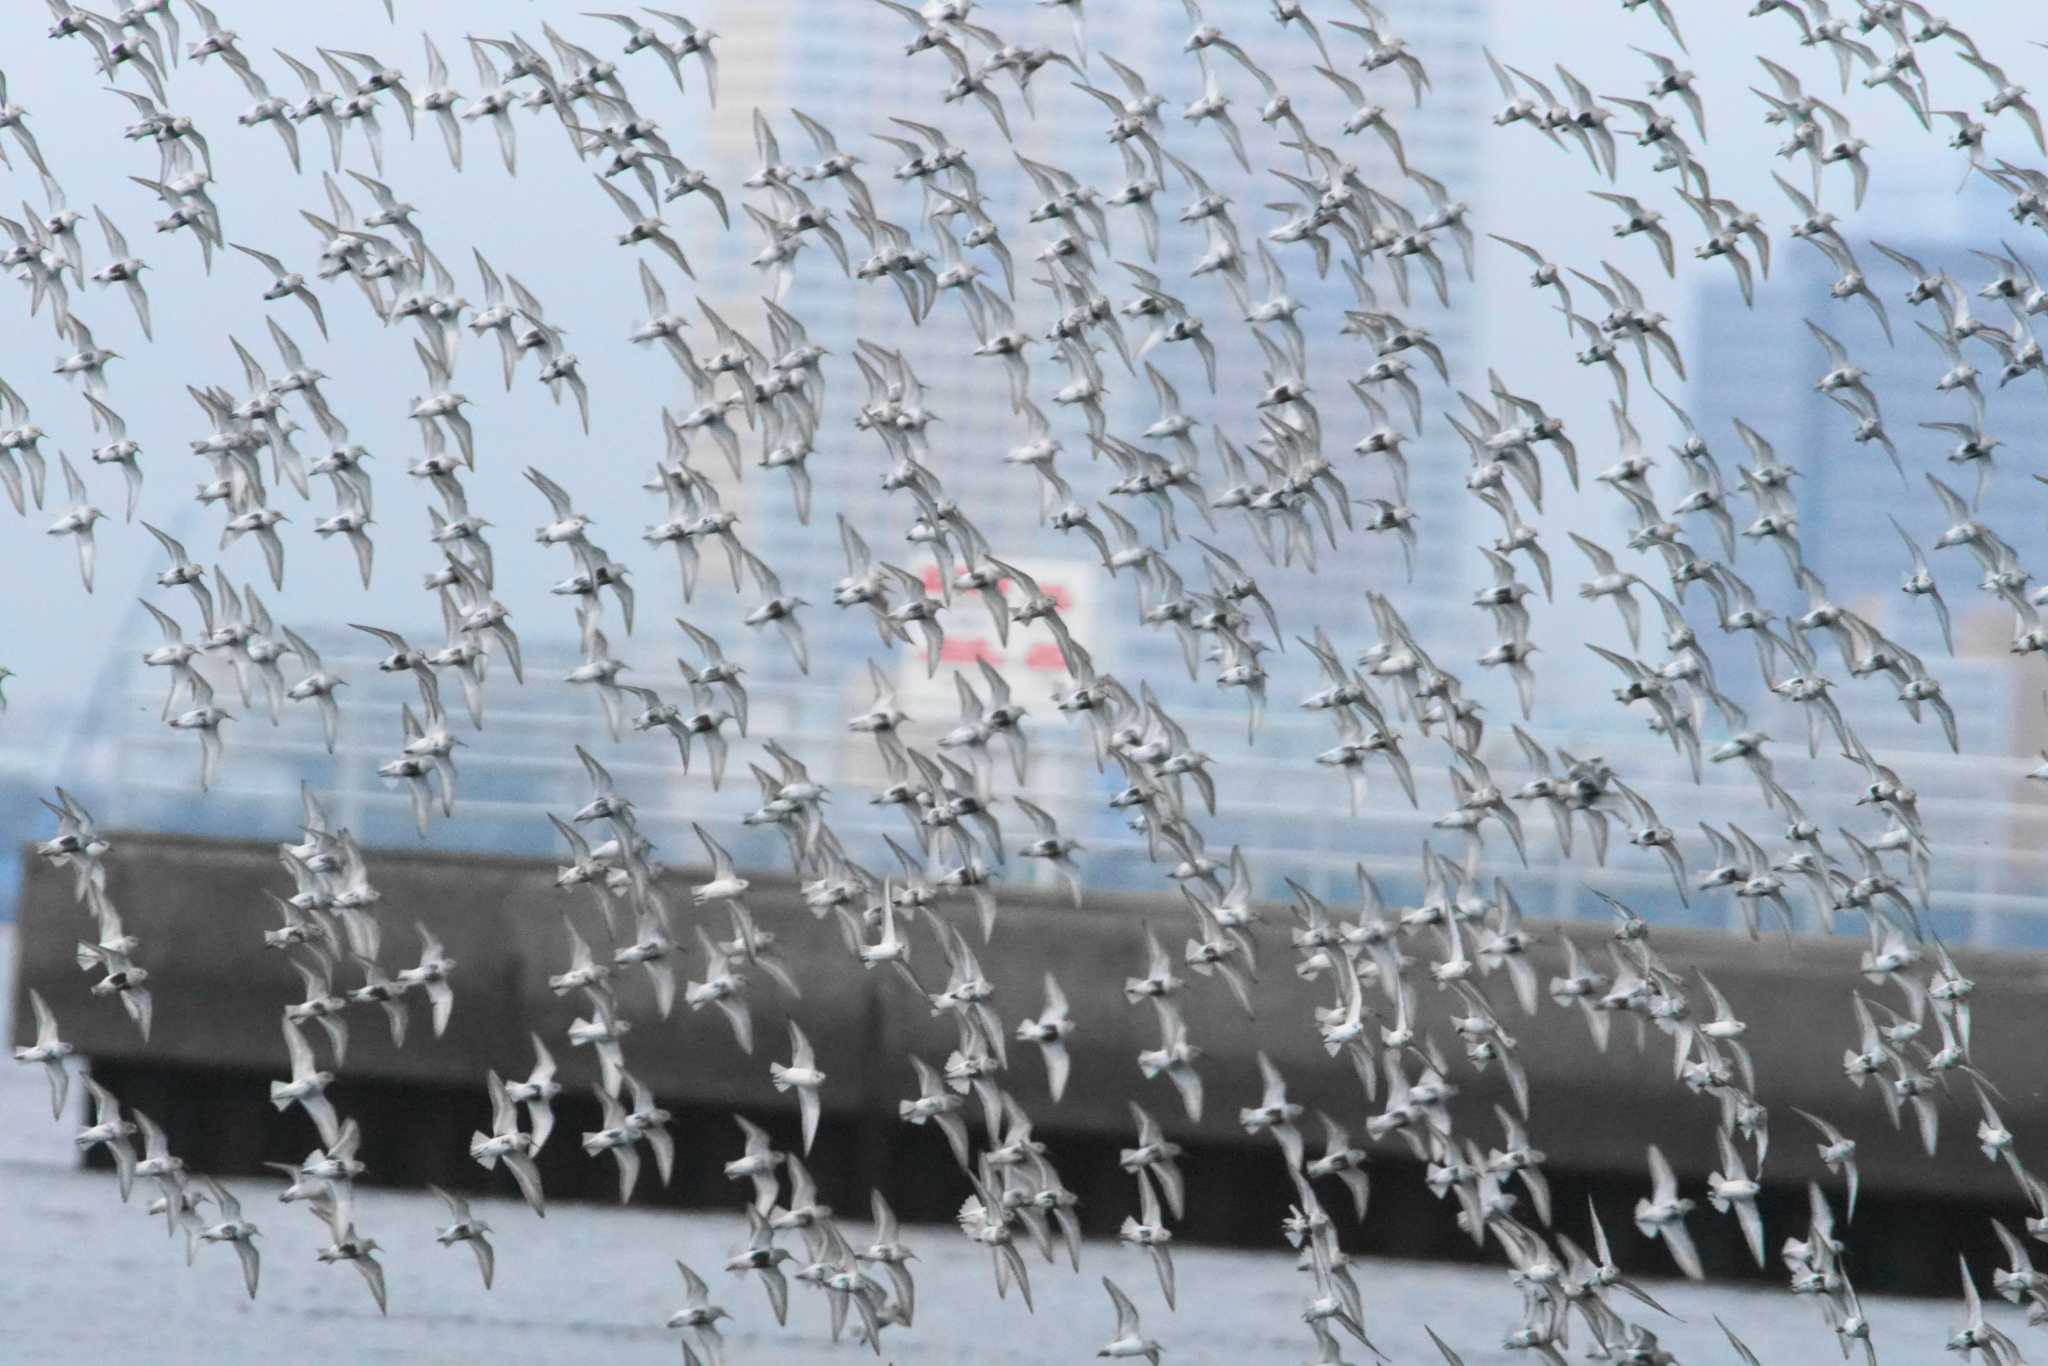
<point>198,908</point>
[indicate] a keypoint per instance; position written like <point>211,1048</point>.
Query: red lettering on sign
<point>958,651</point>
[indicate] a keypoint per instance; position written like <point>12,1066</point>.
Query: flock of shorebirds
<point>1093,307</point>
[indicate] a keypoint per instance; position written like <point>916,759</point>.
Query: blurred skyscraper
<point>843,64</point>
<point>1847,497</point>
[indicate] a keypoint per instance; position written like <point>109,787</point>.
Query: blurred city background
<point>83,711</point>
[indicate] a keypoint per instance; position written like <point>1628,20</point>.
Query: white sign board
<point>1031,661</point>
